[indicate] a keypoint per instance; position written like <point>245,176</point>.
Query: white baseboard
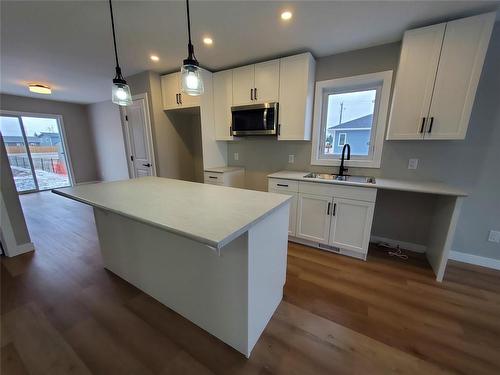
<point>417,248</point>
<point>475,259</point>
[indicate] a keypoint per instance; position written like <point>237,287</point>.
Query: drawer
<point>338,191</point>
<point>283,185</point>
<point>214,178</point>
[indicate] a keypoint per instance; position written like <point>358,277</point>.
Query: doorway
<point>138,137</point>
<point>36,149</point>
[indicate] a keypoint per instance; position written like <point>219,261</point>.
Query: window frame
<point>380,80</point>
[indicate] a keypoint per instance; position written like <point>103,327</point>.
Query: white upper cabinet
<point>414,82</point>
<point>267,82</point>
<point>296,97</point>
<point>257,83</point>
<point>437,78</point>
<point>172,96</point>
<point>460,65</point>
<point>243,85</point>
<point>223,100</point>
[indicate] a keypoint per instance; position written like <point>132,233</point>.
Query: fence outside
<point>47,164</point>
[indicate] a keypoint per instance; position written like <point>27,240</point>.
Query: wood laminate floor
<point>63,313</point>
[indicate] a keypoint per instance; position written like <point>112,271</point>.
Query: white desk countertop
<point>213,215</point>
<point>429,187</point>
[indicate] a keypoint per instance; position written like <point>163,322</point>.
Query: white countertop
<point>223,169</point>
<point>380,183</point>
<point>213,215</point>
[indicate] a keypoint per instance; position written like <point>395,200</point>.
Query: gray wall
<point>106,125</point>
<point>471,164</point>
<point>76,126</point>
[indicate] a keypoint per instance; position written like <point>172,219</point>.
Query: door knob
<point>147,165</point>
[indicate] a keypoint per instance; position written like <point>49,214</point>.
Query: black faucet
<point>343,169</point>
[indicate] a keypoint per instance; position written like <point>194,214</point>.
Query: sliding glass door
<point>36,152</point>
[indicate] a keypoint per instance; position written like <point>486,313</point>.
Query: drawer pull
<point>282,185</point>
<point>212,177</point>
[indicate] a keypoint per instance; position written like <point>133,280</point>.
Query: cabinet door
<point>243,85</point>
<point>417,69</point>
<point>267,81</point>
<point>293,210</point>
<point>296,96</point>
<point>313,217</point>
<point>188,101</point>
<point>223,99</point>
<point>464,49</point>
<point>351,224</point>
<point>170,90</point>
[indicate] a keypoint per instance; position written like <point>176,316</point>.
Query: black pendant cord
<point>191,55</point>
<point>118,69</point>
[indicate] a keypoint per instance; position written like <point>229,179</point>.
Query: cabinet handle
<point>231,130</point>
<point>422,126</point>
<point>180,98</point>
<point>328,208</point>
<point>212,177</point>
<point>282,185</point>
<point>177,98</point>
<point>279,129</point>
<point>255,93</point>
<point>334,209</point>
<point>251,94</point>
<point>430,125</point>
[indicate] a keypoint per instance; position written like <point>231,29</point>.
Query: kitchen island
<point>215,255</point>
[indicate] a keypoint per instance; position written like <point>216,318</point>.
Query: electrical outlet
<point>236,156</point>
<point>412,163</point>
<point>291,159</point>
<point>494,236</point>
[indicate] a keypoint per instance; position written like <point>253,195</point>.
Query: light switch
<point>412,164</point>
<point>291,159</point>
<point>236,156</point>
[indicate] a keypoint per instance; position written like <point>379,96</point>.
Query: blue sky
<point>10,125</point>
<point>356,104</point>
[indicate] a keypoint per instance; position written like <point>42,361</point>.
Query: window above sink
<point>352,111</point>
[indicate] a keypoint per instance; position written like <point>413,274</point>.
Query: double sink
<point>346,178</point>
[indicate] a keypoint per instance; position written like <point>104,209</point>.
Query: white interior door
<point>139,140</point>
<point>351,224</point>
<point>313,217</point>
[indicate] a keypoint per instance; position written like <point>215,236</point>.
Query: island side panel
<point>268,247</point>
<point>190,278</point>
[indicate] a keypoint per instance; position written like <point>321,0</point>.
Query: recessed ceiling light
<point>208,41</point>
<point>286,15</point>
<point>154,58</point>
<point>39,89</point>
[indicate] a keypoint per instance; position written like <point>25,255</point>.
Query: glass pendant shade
<point>121,93</point>
<point>191,80</point>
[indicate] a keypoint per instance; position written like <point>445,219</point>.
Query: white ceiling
<point>68,44</point>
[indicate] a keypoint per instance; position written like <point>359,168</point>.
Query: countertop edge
<point>455,193</point>
<point>213,244</point>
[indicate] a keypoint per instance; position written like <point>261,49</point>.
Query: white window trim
<point>382,113</point>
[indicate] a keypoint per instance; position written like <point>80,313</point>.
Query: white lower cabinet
<point>351,224</point>
<point>293,209</point>
<point>330,216</point>
<point>313,217</point>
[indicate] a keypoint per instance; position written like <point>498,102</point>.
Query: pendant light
<point>191,81</point>
<point>120,93</point>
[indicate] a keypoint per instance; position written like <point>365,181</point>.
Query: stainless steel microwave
<point>255,119</point>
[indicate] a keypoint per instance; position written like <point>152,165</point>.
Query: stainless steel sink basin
<point>347,178</point>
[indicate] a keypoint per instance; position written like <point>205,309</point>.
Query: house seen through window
<point>349,120</point>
